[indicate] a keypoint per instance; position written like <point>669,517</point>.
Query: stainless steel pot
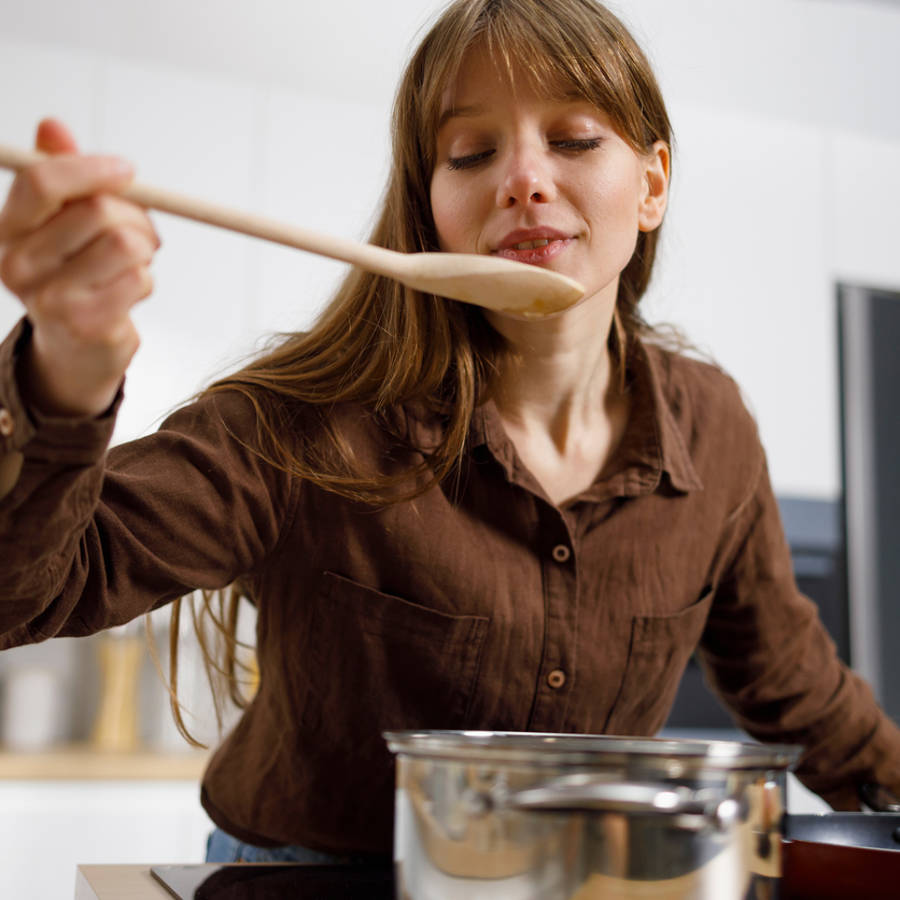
<point>517,816</point>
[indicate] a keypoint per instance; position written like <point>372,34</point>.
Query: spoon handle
<point>374,259</point>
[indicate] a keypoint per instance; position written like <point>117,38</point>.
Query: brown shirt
<point>480,604</point>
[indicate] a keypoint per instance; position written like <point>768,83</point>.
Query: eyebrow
<point>474,109</point>
<point>455,112</point>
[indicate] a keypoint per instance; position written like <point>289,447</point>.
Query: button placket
<point>555,685</point>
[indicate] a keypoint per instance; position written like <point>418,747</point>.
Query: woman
<point>445,517</point>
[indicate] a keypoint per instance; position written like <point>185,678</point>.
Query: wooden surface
<point>86,763</point>
<point>118,883</point>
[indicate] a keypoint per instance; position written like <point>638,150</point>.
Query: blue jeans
<point>223,848</point>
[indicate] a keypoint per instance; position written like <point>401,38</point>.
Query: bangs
<point>577,49</point>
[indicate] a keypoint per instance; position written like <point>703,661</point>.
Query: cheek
<point>444,221</point>
<point>610,204</point>
<point>452,218</point>
<point>614,208</point>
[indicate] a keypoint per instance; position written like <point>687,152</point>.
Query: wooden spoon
<point>488,281</point>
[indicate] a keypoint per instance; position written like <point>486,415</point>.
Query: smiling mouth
<point>540,250</point>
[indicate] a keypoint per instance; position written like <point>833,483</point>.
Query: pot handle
<point>698,808</point>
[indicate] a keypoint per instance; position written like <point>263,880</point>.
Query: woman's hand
<point>77,256</point>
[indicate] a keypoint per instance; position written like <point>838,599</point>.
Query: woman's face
<point>544,181</point>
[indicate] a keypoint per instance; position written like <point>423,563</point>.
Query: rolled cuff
<point>35,435</point>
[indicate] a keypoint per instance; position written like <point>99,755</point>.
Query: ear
<point>656,187</point>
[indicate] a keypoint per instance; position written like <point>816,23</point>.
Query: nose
<point>525,179</point>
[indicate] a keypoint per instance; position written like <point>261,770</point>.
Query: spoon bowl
<point>491,282</point>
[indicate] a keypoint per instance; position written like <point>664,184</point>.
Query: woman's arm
<point>87,541</point>
<point>91,539</point>
<point>776,667</point>
<point>77,256</point>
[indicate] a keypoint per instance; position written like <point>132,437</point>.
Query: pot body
<point>484,815</point>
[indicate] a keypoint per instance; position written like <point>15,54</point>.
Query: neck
<point>560,379</point>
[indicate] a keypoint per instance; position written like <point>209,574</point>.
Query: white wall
<point>786,172</point>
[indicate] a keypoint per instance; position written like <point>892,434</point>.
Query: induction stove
<point>275,881</point>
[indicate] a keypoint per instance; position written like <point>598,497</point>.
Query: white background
<point>787,176</point>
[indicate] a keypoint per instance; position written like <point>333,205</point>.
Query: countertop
<point>117,883</point>
<point>272,880</point>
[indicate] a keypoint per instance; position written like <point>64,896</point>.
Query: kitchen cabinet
<point>64,800</point>
<point>50,825</point>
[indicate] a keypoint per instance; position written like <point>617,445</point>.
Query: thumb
<point>54,137</point>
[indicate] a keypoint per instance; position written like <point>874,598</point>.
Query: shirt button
<point>561,553</point>
<point>556,679</point>
<point>7,423</point>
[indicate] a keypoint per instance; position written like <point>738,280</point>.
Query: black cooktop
<point>275,881</point>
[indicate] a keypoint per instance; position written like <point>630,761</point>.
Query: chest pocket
<point>378,662</point>
<point>659,649</point>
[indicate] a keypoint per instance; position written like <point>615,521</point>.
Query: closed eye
<point>577,145</point>
<point>572,145</point>
<point>467,162</point>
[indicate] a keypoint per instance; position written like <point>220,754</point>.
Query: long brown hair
<point>383,346</point>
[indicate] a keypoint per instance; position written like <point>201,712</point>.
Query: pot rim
<point>592,750</point>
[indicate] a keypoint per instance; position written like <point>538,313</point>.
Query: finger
<point>129,288</point>
<point>106,309</point>
<point>35,257</point>
<point>54,137</point>
<point>40,191</point>
<point>113,252</point>
<point>90,316</point>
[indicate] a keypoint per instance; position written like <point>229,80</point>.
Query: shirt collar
<point>646,367</point>
<point>653,443</point>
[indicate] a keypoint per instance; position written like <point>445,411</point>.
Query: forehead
<point>484,70</point>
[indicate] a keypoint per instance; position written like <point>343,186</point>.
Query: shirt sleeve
<point>774,664</point>
<point>91,538</point>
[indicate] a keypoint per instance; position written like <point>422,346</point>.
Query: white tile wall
<point>41,81</point>
<point>824,63</point>
<point>744,272</point>
<point>188,133</point>
<point>864,209</point>
<point>324,165</point>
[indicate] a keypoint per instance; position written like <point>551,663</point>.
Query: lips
<point>533,245</point>
<point>527,238</point>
